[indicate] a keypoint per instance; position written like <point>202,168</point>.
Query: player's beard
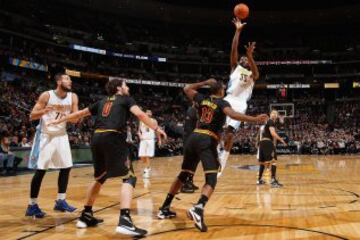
<point>64,88</point>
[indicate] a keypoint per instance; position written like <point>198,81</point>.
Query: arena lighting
<point>294,62</point>
<point>116,54</point>
<point>292,86</point>
<point>73,73</point>
<point>88,49</point>
<point>331,85</point>
<point>27,64</point>
<point>356,84</point>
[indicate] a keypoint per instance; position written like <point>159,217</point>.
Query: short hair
<point>216,87</point>
<point>58,76</point>
<point>112,85</point>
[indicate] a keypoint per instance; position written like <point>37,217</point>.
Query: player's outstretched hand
<point>250,47</point>
<point>161,135</point>
<point>262,118</point>
<point>238,24</point>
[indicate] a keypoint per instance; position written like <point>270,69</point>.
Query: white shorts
<point>50,151</point>
<point>239,106</point>
<point>147,148</point>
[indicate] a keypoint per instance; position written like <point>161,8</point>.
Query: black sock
<point>63,180</point>
<point>168,201</point>
<point>88,208</point>
<point>261,170</point>
<point>36,183</point>
<point>125,212</point>
<point>273,171</point>
<point>203,200</point>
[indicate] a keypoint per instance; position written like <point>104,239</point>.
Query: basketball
<point>241,11</point>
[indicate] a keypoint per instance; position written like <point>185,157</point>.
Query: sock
<point>202,201</point>
<point>125,212</point>
<point>225,156</point>
<point>88,208</point>
<point>168,201</point>
<point>261,170</point>
<point>33,201</point>
<point>61,196</point>
<point>273,171</point>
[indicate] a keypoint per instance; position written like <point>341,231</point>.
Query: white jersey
<point>62,106</point>
<point>146,132</point>
<point>241,84</point>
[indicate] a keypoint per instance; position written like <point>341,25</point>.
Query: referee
<point>109,151</point>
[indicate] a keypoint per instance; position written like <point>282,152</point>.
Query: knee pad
<point>131,180</point>
<point>211,179</point>
<point>102,179</point>
<point>183,176</point>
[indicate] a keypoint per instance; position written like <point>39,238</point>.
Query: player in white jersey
<point>244,73</point>
<point>51,148</point>
<point>147,144</point>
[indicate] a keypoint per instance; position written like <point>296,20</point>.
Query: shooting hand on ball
<point>238,24</point>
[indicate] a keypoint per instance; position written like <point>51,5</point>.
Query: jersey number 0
<point>206,115</point>
<point>106,109</point>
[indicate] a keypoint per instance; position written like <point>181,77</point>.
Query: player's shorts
<point>50,152</point>
<point>239,106</point>
<point>147,148</point>
<point>266,151</point>
<point>201,147</point>
<point>110,152</point>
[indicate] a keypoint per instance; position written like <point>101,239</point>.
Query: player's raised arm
<point>143,117</point>
<point>234,55</point>
<point>191,89</point>
<point>244,118</point>
<point>250,55</point>
<point>40,107</point>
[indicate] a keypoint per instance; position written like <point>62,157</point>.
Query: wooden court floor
<point>319,200</point>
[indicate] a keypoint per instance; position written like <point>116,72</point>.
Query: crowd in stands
<point>310,130</point>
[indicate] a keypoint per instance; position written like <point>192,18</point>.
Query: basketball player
<point>189,126</point>
<point>51,148</point>
<point>109,151</point>
<point>266,151</point>
<point>239,88</point>
<point>147,144</point>
<point>202,145</point>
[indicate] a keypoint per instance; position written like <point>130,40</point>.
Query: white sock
<point>225,155</point>
<point>33,201</point>
<point>61,196</point>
